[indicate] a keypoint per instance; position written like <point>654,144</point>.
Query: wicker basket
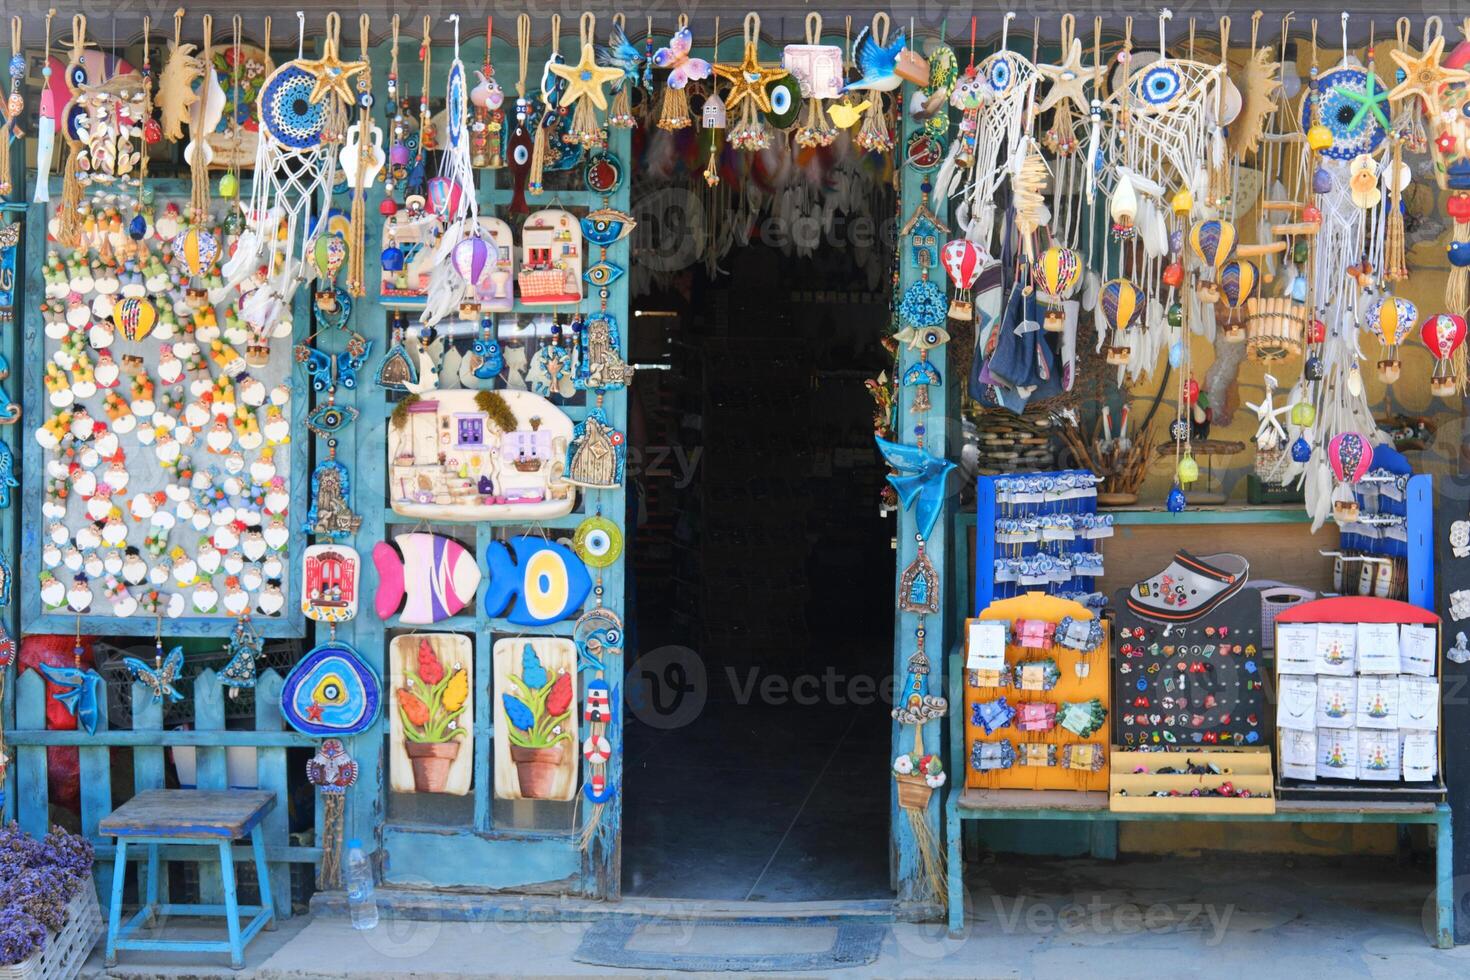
<point>1276,598</point>
<point>1275,328</point>
<point>65,951</point>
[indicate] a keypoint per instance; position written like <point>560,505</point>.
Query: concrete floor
<point>1217,916</point>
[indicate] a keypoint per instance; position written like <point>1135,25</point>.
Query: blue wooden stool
<point>184,816</point>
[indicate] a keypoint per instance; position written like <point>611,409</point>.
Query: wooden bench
<point>200,817</point>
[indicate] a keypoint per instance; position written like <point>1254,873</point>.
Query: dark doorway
<point>761,564</point>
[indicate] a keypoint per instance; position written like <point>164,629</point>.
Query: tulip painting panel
<point>535,718</point>
<point>431,739</point>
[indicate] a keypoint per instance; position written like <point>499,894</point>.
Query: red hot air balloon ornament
<point>1444,335</point>
<point>1350,456</point>
<point>962,260</point>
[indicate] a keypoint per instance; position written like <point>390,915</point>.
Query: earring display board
<point>158,441</point>
<point>1200,683</point>
<point>1047,536</point>
<point>1358,700</point>
<point>1036,709</point>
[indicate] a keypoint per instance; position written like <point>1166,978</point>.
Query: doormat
<point>721,945</point>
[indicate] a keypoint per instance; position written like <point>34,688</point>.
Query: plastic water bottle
<point>361,904</point>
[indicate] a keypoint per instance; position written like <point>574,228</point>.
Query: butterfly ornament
<point>161,675</point>
<point>682,69</point>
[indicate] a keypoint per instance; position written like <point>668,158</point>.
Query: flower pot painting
<point>535,718</point>
<point>432,711</point>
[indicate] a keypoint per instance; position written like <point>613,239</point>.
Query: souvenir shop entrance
<point>759,717</point>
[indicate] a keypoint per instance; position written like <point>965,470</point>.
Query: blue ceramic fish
<point>921,477</point>
<point>79,692</point>
<point>547,581</point>
<point>876,63</point>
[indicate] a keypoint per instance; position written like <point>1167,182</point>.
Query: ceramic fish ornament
<point>431,576</point>
<point>546,580</point>
<point>876,63</point>
<point>520,157</point>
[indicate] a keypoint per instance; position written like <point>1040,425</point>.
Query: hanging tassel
<point>1457,287</point>
<point>69,220</point>
<point>357,249</point>
<point>586,131</point>
<point>815,129</point>
<point>1395,258</point>
<point>538,160</point>
<point>874,136</point>
<point>621,114</point>
<point>750,133</point>
<point>712,168</point>
<point>673,111</point>
<point>1458,363</point>
<point>198,160</point>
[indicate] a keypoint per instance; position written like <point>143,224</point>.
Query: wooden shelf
<point>1222,514</point>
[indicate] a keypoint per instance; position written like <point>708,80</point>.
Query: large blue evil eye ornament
<point>331,692</point>
<point>1459,253</point>
<point>1301,450</point>
<point>286,110</point>
<point>1176,502</point>
<point>1342,94</point>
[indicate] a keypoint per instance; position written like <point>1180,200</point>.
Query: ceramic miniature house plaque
<point>479,456</point>
<point>551,259</point>
<point>330,583</point>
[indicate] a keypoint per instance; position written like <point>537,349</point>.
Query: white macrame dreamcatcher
<point>1164,115</point>
<point>1007,83</point>
<point>303,111</point>
<point>449,280</point>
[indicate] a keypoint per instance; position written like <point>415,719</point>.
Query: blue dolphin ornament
<point>79,692</point>
<point>921,476</point>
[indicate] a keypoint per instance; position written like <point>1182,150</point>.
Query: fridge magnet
<point>431,733</point>
<point>468,455</point>
<point>536,735</point>
<point>332,771</point>
<point>329,584</point>
<point>551,259</point>
<point>533,581</point>
<point>431,577</point>
<point>331,692</point>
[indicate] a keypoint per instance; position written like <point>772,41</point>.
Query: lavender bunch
<point>38,878</point>
<point>20,936</point>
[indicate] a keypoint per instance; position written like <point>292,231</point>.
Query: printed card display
<point>987,645</point>
<point>1336,701</point>
<point>1296,648</point>
<point>1418,703</point>
<point>1378,702</point>
<point>1297,705</point>
<point>1299,754</point>
<point>1418,647</point>
<point>1420,757</point>
<point>1378,648</point>
<point>1378,755</point>
<point>1336,649</point>
<point>1337,753</point>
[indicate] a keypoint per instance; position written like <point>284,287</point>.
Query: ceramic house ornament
<point>536,737</point>
<point>431,735</point>
<point>329,582</point>
<point>551,259</point>
<point>466,455</point>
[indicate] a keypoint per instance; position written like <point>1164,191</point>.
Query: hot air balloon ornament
<point>1122,304</point>
<point>1213,242</point>
<point>1444,335</point>
<point>1056,274</point>
<point>1391,319</point>
<point>1350,456</point>
<point>1238,281</point>
<point>963,260</point>
<point>469,257</point>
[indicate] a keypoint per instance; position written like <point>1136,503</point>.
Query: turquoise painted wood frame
<point>478,854</point>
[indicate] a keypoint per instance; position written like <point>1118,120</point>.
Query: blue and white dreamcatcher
<point>302,108</point>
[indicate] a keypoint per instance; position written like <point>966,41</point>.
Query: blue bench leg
<point>956,869</point>
<point>151,888</point>
<point>263,875</point>
<point>114,908</point>
<point>232,906</point>
<point>1444,880</point>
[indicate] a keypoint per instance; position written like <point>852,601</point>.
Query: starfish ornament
<point>1068,79</point>
<point>333,74</point>
<point>1424,76</point>
<point>586,78</point>
<point>748,80</point>
<point>1371,99</point>
<point>1270,433</point>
